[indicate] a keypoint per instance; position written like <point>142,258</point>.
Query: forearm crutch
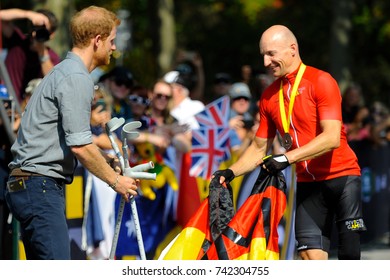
<point>135,172</point>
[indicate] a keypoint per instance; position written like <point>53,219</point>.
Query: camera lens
<point>41,34</point>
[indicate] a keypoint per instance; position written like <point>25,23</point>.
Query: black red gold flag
<point>215,232</point>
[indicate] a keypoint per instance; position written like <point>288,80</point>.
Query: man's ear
<point>97,40</point>
<point>293,49</point>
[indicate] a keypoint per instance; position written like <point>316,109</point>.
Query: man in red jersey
<point>304,105</point>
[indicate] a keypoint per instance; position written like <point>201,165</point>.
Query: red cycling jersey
<point>318,98</point>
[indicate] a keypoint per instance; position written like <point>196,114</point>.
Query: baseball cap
<point>177,78</point>
<point>222,78</point>
<point>119,74</point>
<point>239,90</point>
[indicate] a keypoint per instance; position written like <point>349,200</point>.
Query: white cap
<point>171,77</point>
<point>178,78</point>
<point>239,90</point>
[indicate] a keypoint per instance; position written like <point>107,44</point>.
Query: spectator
<point>352,102</point>
<point>221,87</point>
<point>221,84</point>
<point>100,115</point>
<point>246,74</point>
<point>241,119</point>
<point>248,77</point>
<point>357,123</point>
<point>380,125</point>
<point>118,82</point>
<point>190,64</point>
<point>160,136</point>
<point>29,57</point>
<point>184,108</point>
<point>13,14</point>
<point>164,124</point>
<point>260,82</point>
<point>161,102</point>
<point>95,189</point>
<point>183,111</point>
<point>139,103</point>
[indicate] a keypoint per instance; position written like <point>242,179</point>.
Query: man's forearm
<point>249,160</point>
<point>14,14</point>
<point>92,159</point>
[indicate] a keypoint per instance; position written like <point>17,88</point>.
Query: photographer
<point>28,57</point>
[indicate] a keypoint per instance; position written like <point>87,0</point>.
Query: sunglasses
<point>120,83</point>
<point>139,100</point>
<point>163,96</point>
<point>241,97</point>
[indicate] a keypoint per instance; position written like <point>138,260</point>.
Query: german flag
<point>206,224</point>
<point>216,233</point>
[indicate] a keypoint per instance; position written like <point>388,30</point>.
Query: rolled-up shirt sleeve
<point>75,108</point>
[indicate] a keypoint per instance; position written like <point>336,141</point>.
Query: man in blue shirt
<point>55,129</point>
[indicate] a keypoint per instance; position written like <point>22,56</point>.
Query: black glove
<point>227,173</point>
<point>274,164</point>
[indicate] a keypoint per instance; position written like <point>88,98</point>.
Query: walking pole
<point>135,172</point>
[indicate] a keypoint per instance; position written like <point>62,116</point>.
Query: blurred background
<point>348,38</point>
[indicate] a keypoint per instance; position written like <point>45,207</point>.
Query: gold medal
<point>287,141</point>
<point>286,120</point>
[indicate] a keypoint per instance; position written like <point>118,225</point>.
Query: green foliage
<point>251,8</point>
<point>226,34</point>
<point>370,49</point>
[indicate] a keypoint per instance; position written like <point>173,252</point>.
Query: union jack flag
<point>215,114</point>
<point>210,143</point>
<point>210,146</point>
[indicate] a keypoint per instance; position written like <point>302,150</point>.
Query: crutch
<point>128,133</point>
<point>111,126</point>
<point>134,172</point>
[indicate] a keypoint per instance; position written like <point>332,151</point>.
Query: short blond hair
<point>90,22</point>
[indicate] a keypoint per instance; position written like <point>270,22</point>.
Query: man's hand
<point>127,187</point>
<point>225,175</point>
<point>99,116</point>
<point>115,164</point>
<point>275,163</point>
<point>38,19</point>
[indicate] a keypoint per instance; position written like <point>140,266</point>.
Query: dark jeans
<point>40,209</point>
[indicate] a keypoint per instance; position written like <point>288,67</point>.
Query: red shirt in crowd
<point>23,64</point>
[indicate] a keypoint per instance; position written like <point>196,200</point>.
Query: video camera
<point>41,33</point>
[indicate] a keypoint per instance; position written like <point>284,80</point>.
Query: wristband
<point>44,58</point>
<point>275,163</point>
<point>113,186</point>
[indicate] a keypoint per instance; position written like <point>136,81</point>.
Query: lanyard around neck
<point>286,122</point>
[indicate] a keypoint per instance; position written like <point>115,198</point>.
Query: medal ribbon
<point>286,122</point>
